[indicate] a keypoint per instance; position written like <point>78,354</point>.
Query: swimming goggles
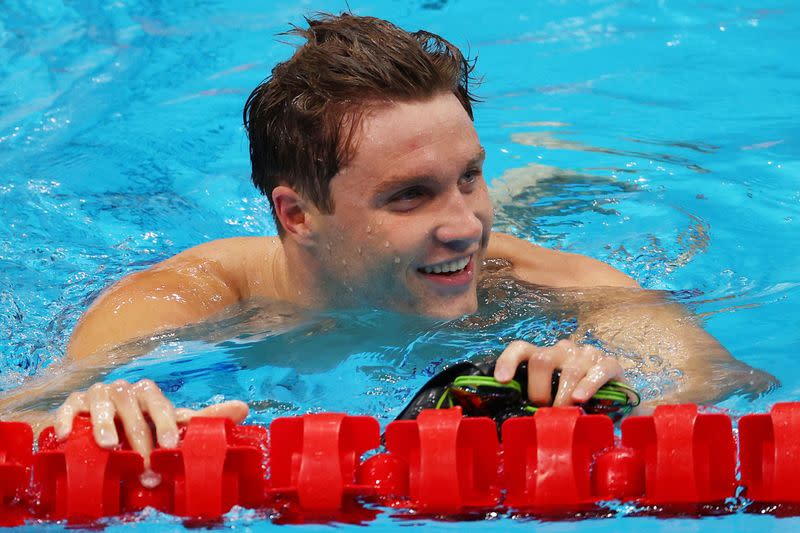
<point>472,387</point>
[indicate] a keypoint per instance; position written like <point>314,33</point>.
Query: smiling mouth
<point>447,268</point>
<point>450,276</point>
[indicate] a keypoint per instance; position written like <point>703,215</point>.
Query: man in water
<point>364,144</point>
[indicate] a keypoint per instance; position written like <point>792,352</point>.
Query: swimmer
<point>364,144</point>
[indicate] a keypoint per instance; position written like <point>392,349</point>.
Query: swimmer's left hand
<point>584,369</point>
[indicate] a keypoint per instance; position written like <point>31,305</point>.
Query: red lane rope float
<point>217,465</point>
<point>451,463</point>
<point>16,456</point>
<point>314,458</point>
<point>441,463</point>
<point>558,447</point>
<point>770,454</point>
<point>689,457</point>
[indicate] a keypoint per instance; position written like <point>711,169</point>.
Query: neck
<point>296,276</point>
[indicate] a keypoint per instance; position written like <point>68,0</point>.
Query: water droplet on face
<point>369,229</point>
<point>397,260</point>
<point>328,246</point>
<point>386,244</point>
<point>360,250</point>
<point>344,262</point>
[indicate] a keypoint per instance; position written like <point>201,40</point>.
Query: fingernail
<point>502,374</point>
<point>150,479</point>
<point>580,395</point>
<point>169,440</point>
<point>107,439</point>
<point>62,431</point>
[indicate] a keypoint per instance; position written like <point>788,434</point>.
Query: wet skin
<point>412,198</point>
<point>410,201</point>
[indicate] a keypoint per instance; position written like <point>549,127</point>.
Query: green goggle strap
<point>614,391</point>
<point>486,381</point>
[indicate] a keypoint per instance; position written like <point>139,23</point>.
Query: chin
<point>451,311</point>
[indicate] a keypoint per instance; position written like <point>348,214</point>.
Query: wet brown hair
<point>302,119</point>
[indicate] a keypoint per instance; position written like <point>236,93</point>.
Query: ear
<point>294,214</point>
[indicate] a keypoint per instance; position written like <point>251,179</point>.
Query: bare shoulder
<point>183,289</point>
<point>553,268</point>
<point>231,254</point>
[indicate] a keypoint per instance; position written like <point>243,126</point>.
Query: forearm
<point>660,342</point>
<point>47,390</point>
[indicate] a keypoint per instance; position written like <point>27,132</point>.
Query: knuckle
<point>587,349</point>
<point>541,357</point>
<point>104,405</point>
<point>515,351</point>
<point>597,374</point>
<point>98,387</point>
<point>146,385</point>
<point>65,409</point>
<point>592,352</point>
<point>119,391</point>
<point>73,398</point>
<point>565,344</point>
<point>612,365</point>
<point>571,372</point>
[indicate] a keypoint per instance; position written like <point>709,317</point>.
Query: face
<point>412,213</point>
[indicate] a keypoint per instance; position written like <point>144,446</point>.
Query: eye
<point>469,179</point>
<point>408,198</point>
<point>412,193</point>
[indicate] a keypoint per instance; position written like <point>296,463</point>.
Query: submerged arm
<point>653,336</point>
<point>649,335</point>
<point>180,291</point>
<point>140,305</point>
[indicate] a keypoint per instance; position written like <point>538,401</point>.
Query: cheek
<point>485,209</point>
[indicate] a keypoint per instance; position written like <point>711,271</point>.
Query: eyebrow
<point>401,182</point>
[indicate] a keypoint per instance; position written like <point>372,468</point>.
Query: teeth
<point>451,266</point>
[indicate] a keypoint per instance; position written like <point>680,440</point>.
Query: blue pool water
<point>659,137</point>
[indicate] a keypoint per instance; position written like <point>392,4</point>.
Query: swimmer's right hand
<point>132,403</point>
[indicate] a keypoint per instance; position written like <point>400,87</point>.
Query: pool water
<point>659,137</point>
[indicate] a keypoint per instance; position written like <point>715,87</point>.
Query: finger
<point>233,410</point>
<point>102,411</point>
<point>66,413</point>
<point>572,372</point>
<point>161,412</point>
<point>506,365</point>
<point>540,370</point>
<point>184,414</point>
<point>130,413</point>
<point>598,375</point>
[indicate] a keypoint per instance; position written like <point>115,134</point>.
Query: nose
<point>460,227</point>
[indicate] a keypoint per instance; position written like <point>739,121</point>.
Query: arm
<point>648,334</point>
<point>182,290</point>
<point>175,293</point>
